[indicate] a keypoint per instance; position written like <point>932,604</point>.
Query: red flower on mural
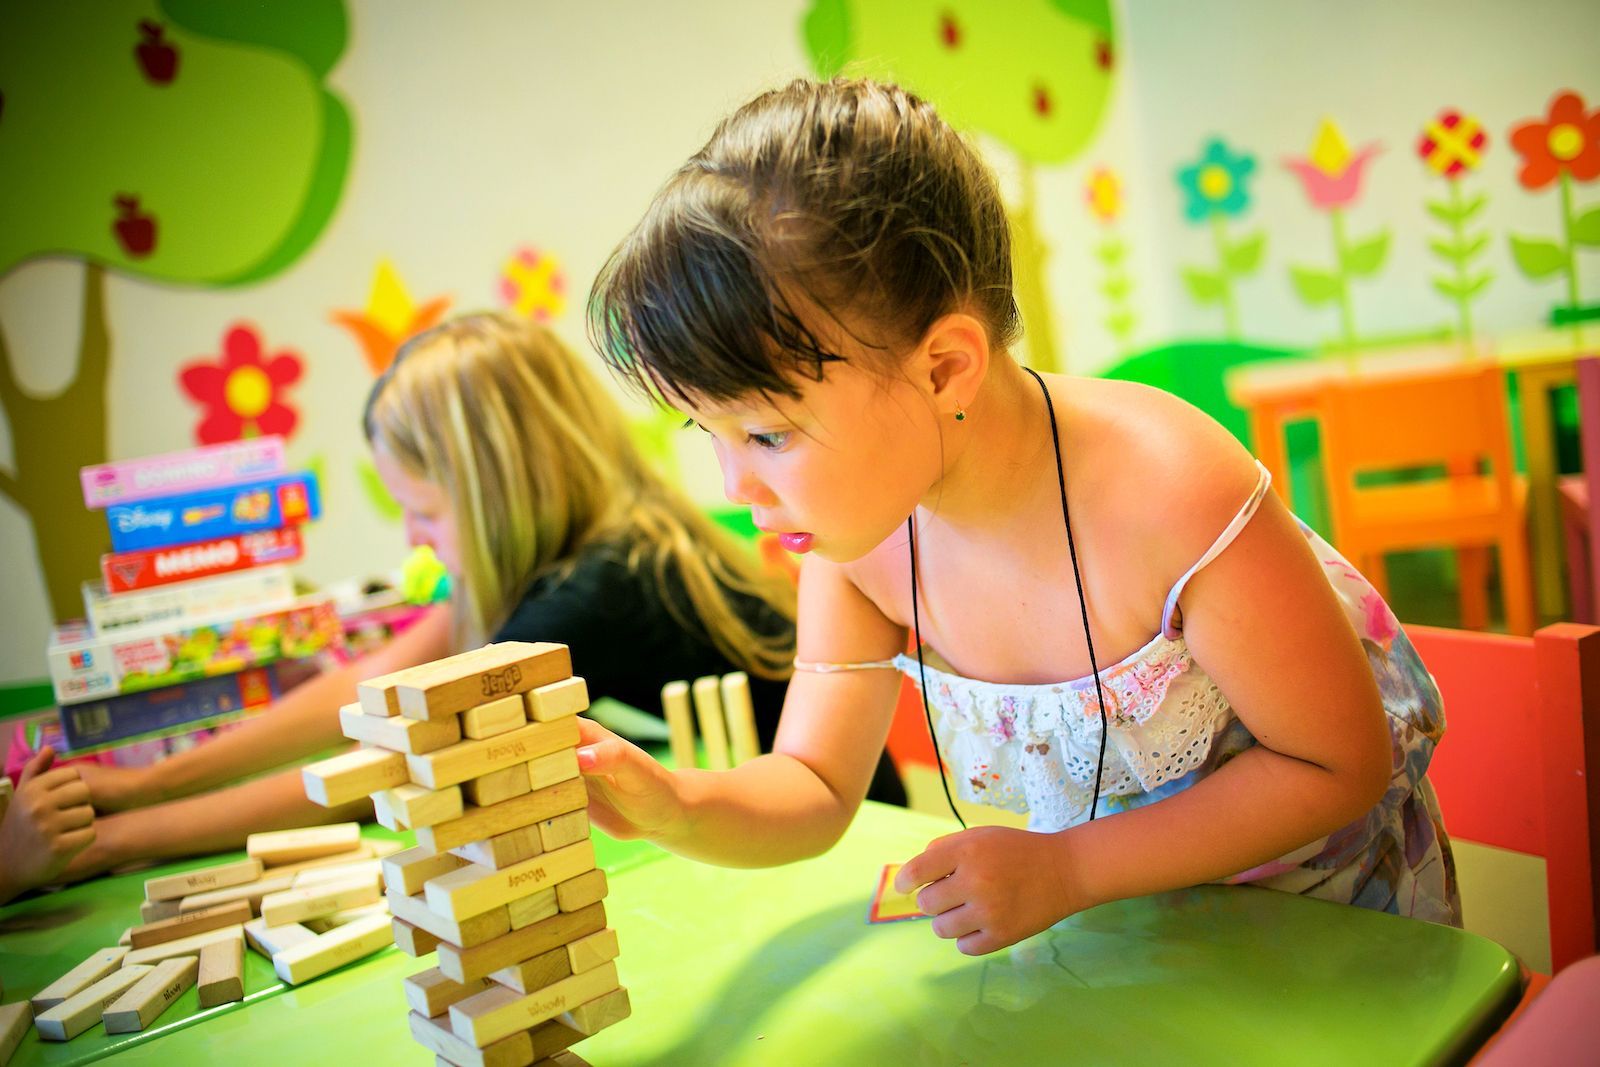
<point>1567,140</point>
<point>242,393</point>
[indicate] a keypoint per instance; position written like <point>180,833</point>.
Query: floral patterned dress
<point>1033,749</point>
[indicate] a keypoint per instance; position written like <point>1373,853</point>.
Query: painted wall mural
<point>1559,149</point>
<point>108,171</point>
<point>1452,145</point>
<point>1215,189</point>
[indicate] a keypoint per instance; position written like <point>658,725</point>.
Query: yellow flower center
<point>248,392</point>
<point>1215,182</point>
<point>1566,141</point>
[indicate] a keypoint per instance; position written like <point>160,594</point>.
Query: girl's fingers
<point>38,764</point>
<point>75,818</point>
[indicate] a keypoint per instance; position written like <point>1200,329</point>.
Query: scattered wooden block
<point>369,868</point>
<point>151,995</point>
<point>333,949</point>
<point>411,939</point>
<point>478,930</point>
<point>473,759</point>
<point>496,786</point>
<point>431,993</point>
<point>353,775</point>
<point>151,911</point>
<point>558,700</point>
<point>221,876</point>
<point>323,923</point>
<point>513,1051</point>
<point>680,723</point>
<point>547,968</point>
<point>740,711</point>
<point>595,1015</point>
<point>496,717</point>
<point>502,850</point>
<point>278,847</point>
<point>451,686</point>
<point>590,951</point>
<point>14,1020</point>
<point>713,727</point>
<point>79,978</point>
<point>472,890</point>
<point>564,830</point>
<point>271,940</point>
<point>221,973</point>
<point>298,905</point>
<point>183,946</point>
<point>498,1012</point>
<point>125,939</point>
<point>465,962</point>
<point>192,922</point>
<point>250,892</point>
<point>578,893</point>
<point>405,872</point>
<point>398,734</point>
<point>535,907</point>
<point>416,805</point>
<point>79,1012</point>
<point>480,824</point>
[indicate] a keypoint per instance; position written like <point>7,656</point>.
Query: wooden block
<point>151,995</point>
<point>547,968</point>
<point>383,812</point>
<point>471,890</point>
<point>578,893</point>
<point>125,939</point>
<point>551,1038</point>
<point>250,892</point>
<point>713,726</point>
<point>480,824</point>
<point>567,1058</point>
<point>14,1020</point>
<point>82,1010</point>
<point>467,962</point>
<point>478,930</point>
<point>183,946</point>
<point>341,872</point>
<point>271,940</point>
<point>377,696</point>
<point>743,741</point>
<point>564,830</point>
<point>298,905</point>
<point>353,775</point>
<point>222,876</point>
<point>416,805</point>
<point>502,850</point>
<point>498,1012</point>
<point>411,939</point>
<point>535,907</point>
<point>558,700</point>
<point>151,911</point>
<point>431,993</point>
<point>79,978</point>
<point>333,949</point>
<point>473,759</point>
<point>398,734</point>
<point>405,872</point>
<point>496,786</point>
<point>589,952</point>
<point>496,717</point>
<point>192,922</point>
<point>221,973</point>
<point>332,921</point>
<point>680,723</point>
<point>594,1016</point>
<point>559,766</point>
<point>451,686</point>
<point>513,1051</point>
<point>278,847</point>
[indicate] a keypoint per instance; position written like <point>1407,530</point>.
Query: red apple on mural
<point>157,58</point>
<point>135,230</point>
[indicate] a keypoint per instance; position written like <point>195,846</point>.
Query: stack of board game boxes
<point>477,755</point>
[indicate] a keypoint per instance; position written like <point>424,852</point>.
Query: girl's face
<point>429,518</point>
<point>835,472</point>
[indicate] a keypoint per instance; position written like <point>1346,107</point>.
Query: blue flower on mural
<point>1215,185</point>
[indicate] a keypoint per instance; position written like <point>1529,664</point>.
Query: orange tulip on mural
<point>390,318</point>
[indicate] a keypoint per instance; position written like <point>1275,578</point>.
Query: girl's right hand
<point>116,788</point>
<point>630,794</point>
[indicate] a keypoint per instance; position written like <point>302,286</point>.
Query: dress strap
<point>816,667</point>
<point>1171,614</point>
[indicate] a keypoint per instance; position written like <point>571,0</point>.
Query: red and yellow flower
<point>1568,139</point>
<point>1452,144</point>
<point>242,393</point>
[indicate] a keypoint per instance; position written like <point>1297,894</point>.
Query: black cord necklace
<point>1083,605</point>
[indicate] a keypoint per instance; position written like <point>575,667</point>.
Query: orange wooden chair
<point>1580,502</point>
<point>1519,766</point>
<point>1454,418</point>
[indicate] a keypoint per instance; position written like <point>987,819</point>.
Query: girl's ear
<point>955,352</point>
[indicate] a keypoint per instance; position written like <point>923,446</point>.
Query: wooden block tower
<point>477,755</point>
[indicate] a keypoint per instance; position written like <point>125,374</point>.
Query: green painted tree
<point>1032,74</point>
<point>192,142</point>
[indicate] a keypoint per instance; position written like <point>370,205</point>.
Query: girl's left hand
<point>991,886</point>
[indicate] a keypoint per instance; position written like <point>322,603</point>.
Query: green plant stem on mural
<point>1347,314</point>
<point>1458,229</point>
<point>1569,245</point>
<point>1030,256</point>
<point>1230,306</point>
<point>1120,320</point>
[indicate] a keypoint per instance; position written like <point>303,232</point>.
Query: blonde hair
<point>538,464</point>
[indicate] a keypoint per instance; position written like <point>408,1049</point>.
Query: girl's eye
<point>770,441</point>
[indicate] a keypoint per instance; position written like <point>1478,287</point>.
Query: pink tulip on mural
<point>1331,174</point>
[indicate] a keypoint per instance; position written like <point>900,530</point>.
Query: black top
<point>626,644</point>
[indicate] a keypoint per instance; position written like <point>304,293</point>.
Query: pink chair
<point>1580,501</point>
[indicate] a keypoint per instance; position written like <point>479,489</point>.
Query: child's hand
<point>48,822</point>
<point>992,886</point>
<point>630,794</point>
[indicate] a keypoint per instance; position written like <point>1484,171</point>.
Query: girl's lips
<point>795,542</point>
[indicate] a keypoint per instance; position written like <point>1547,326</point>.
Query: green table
<point>780,966</point>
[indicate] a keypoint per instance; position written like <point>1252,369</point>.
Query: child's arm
<point>796,801</point>
<point>47,823</point>
<point>303,723</point>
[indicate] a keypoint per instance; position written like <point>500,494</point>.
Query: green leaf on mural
<point>1365,257</point>
<point>1537,257</point>
<point>1442,211</point>
<point>377,494</point>
<point>1121,324</point>
<point>1479,283</point>
<point>1315,286</point>
<point>1586,228</point>
<point>1445,249</point>
<point>1448,287</point>
<point>1116,287</point>
<point>1245,257</point>
<point>1471,207</point>
<point>1111,251</point>
<point>1205,287</point>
